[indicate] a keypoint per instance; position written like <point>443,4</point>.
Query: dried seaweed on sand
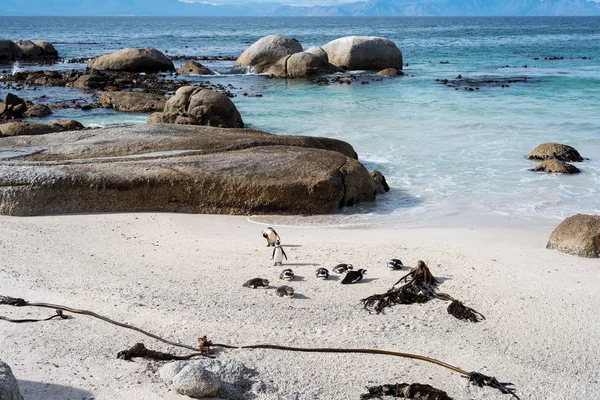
<point>416,391</point>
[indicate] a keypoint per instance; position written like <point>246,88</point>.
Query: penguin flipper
<point>273,255</point>
<point>285,255</point>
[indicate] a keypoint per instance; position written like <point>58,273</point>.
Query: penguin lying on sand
<point>271,236</point>
<point>354,276</point>
<point>278,254</point>
<point>395,264</point>
<point>285,291</point>
<point>322,273</point>
<point>287,275</point>
<point>256,283</point>
<point>341,268</point>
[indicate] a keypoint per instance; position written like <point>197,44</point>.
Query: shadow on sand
<point>32,390</point>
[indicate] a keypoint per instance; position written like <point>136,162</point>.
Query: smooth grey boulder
<point>178,168</point>
<point>578,235</point>
<point>194,68</point>
<point>37,111</point>
<point>67,124</point>
<point>194,105</point>
<point>89,81</point>
<point>9,389</point>
<point>30,49</point>
<point>195,381</point>
<point>234,376</point>
<point>318,51</point>
<point>364,52</point>
<point>556,166</point>
<point>268,50</point>
<point>9,51</point>
<point>133,60</point>
<point>300,65</point>
<point>389,72</point>
<point>25,129</point>
<point>562,152</point>
<point>132,101</point>
<point>48,49</point>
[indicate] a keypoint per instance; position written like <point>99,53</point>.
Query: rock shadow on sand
<point>32,390</point>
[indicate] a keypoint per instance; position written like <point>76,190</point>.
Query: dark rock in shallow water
<point>473,84</point>
<point>13,107</point>
<point>558,151</point>
<point>37,110</point>
<point>67,124</point>
<point>193,67</point>
<point>578,235</point>
<point>298,65</point>
<point>174,168</point>
<point>9,51</point>
<point>390,72</point>
<point>132,101</point>
<point>556,166</point>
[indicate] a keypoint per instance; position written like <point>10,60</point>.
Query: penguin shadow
<point>367,280</point>
<point>301,264</point>
<point>300,296</point>
<point>334,277</point>
<point>442,279</point>
<point>299,278</point>
<point>291,245</point>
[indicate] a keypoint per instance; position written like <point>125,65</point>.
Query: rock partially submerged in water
<point>176,168</point>
<point>268,50</point>
<point>9,389</point>
<point>364,52</point>
<point>194,105</point>
<point>192,67</point>
<point>556,166</point>
<point>557,151</point>
<point>390,72</point>
<point>37,111</point>
<point>578,235</point>
<point>26,50</point>
<point>298,65</point>
<point>145,59</point>
<point>132,101</point>
<point>12,107</point>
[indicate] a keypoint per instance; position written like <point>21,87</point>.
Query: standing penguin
<point>271,236</point>
<point>354,276</point>
<point>278,254</point>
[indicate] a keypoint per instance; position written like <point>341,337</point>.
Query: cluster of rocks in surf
<point>15,50</point>
<point>556,158</point>
<point>474,84</point>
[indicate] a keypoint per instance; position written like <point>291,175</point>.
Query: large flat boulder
<point>364,52</point>
<point>133,60</point>
<point>25,129</point>
<point>268,50</point>
<point>30,49</point>
<point>176,168</point>
<point>132,101</point>
<point>578,235</point>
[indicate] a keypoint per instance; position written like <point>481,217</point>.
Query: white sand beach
<point>180,276</point>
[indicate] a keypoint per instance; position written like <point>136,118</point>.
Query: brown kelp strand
<point>59,314</point>
<point>407,294</point>
<point>482,380</point>
<point>415,391</point>
<point>458,310</point>
<point>139,350</point>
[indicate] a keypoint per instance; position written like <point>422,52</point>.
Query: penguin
<point>256,283</point>
<point>271,236</point>
<point>322,273</point>
<point>285,291</point>
<point>287,275</point>
<point>278,254</point>
<point>341,268</point>
<point>395,264</point>
<point>354,276</point>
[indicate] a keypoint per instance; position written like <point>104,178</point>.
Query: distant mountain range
<point>386,8</point>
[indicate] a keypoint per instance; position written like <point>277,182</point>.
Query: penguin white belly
<point>278,257</point>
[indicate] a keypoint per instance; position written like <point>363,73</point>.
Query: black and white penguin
<point>287,275</point>
<point>341,268</point>
<point>278,254</point>
<point>285,291</point>
<point>322,273</point>
<point>271,236</point>
<point>395,264</point>
<point>256,283</point>
<point>354,276</point>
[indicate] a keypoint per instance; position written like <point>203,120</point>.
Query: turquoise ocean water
<point>452,157</point>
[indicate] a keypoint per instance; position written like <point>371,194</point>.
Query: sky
<point>290,2</point>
